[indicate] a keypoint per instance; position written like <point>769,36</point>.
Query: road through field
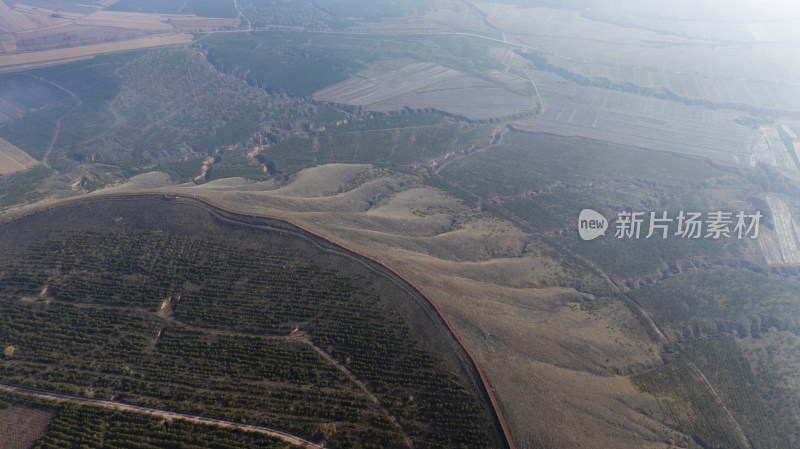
<point>155,412</point>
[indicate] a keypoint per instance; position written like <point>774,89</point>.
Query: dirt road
<point>162,413</point>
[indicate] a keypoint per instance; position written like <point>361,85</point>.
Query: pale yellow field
<point>40,58</point>
<point>12,159</point>
<point>130,20</point>
<point>13,21</point>
<point>394,85</point>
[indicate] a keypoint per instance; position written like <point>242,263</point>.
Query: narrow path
<point>301,337</point>
<point>78,104</point>
<point>165,312</point>
<point>162,413</point>
<point>238,10</point>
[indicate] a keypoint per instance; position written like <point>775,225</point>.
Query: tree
<point>9,351</point>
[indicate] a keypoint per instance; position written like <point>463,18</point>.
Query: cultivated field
<point>781,245</point>
<point>49,57</point>
<point>693,58</point>
<point>395,85</point>
<point>12,21</point>
<point>147,22</point>
<point>332,339</point>
<point>631,119</point>
<point>12,159</point>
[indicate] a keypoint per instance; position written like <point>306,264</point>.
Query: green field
<point>736,301</point>
<point>23,186</point>
<point>390,142</point>
<point>172,305</point>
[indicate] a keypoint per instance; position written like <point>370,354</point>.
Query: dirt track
<point>163,413</point>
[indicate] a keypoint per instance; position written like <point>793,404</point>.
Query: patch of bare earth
<point>21,426</point>
<point>12,159</point>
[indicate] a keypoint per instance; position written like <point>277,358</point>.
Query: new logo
<point>591,224</point>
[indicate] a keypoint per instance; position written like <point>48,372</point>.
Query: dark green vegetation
<point>712,313</point>
<point>543,182</point>
<point>39,105</point>
<point>325,14</point>
<point>766,416</point>
<point>137,109</point>
<point>298,64</point>
<point>392,141</point>
<point>95,427</point>
<point>23,186</point>
<point>737,301</point>
<point>169,109</point>
<point>173,305</point>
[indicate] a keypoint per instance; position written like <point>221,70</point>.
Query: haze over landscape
<point>351,223</point>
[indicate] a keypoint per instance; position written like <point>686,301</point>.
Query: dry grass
<point>21,426</point>
<point>323,180</point>
<point>12,159</point>
<point>557,358</point>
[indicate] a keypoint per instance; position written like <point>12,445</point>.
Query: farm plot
<point>781,246</point>
<point>771,150</point>
<point>12,21</point>
<point>421,85</point>
<point>752,86</point>
<point>12,159</point>
<point>44,17</point>
<point>138,21</point>
<point>631,119</point>
<point>665,54</point>
<point>166,328</point>
<point>47,57</point>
